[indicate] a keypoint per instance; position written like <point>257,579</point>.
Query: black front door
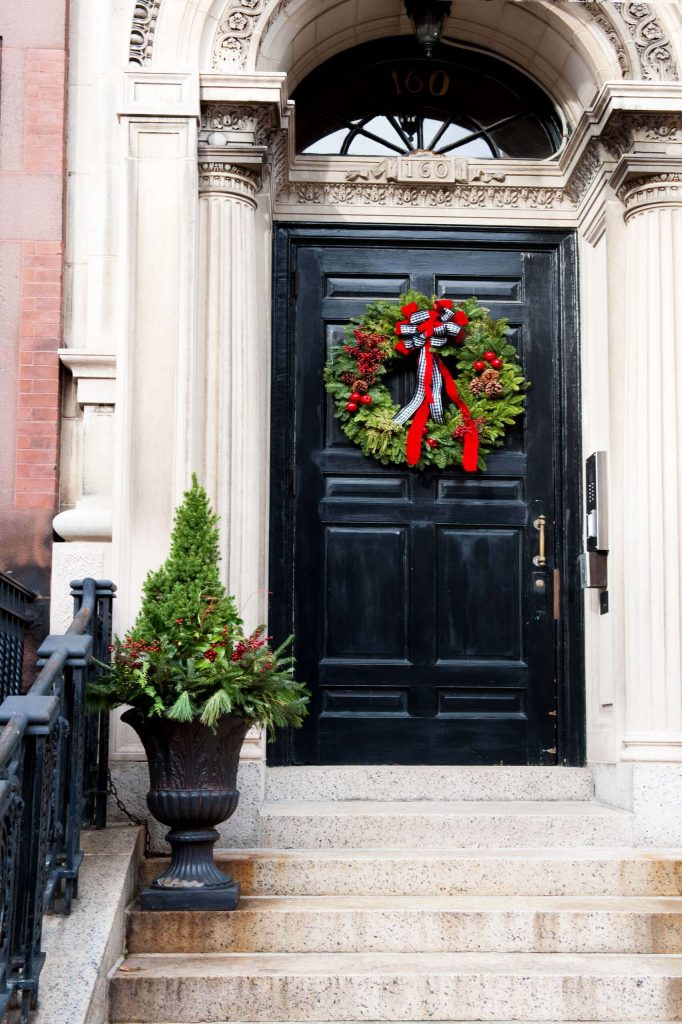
<point>425,629</point>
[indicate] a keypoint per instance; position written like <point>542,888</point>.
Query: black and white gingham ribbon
<point>413,338</point>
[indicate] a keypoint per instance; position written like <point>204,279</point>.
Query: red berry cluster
<point>211,653</point>
<point>248,646</point>
<point>460,431</point>
<point>488,357</point>
<point>369,355</point>
<point>130,650</point>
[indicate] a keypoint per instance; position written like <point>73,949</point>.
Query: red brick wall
<point>38,376</point>
<point>32,160</point>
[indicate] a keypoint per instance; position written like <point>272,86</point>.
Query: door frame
<point>562,244</point>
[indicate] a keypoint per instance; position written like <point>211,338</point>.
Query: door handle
<point>539,525</point>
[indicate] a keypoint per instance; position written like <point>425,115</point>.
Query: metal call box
<point>593,571</point>
<point>597,502</point>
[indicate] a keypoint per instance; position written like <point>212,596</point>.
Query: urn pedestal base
<point>192,881</point>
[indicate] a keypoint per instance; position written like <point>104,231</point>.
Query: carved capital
<point>228,179</point>
<point>248,134</point>
<point>241,123</point>
<point>650,191</point>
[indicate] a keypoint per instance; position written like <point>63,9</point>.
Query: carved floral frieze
<point>654,49</point>
<point>423,196</point>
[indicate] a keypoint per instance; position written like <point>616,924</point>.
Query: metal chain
<point>131,817</point>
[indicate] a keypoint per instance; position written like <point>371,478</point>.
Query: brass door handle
<point>539,525</point>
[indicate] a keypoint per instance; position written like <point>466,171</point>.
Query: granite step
<point>442,824</point>
<point>395,987</point>
<point>587,871</point>
<point>413,924</point>
<point>419,782</point>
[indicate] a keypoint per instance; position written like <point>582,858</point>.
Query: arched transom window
<point>385,98</point>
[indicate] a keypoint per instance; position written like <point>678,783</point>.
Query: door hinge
<point>294,283</point>
<point>292,481</point>
<point>556,593</point>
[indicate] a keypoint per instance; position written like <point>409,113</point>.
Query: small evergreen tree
<point>187,656</point>
<point>188,585</point>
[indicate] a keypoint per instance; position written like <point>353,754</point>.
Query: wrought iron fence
<point>14,618</point>
<point>52,780</point>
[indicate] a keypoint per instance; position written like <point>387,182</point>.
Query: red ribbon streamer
<point>470,452</point>
<point>416,431</point>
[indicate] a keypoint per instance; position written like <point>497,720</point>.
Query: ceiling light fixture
<point>427,17</point>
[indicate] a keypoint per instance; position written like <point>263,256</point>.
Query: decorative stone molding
<point>237,24</point>
<point>94,373</point>
<point>455,196</point>
<point>91,441</point>
<point>234,32</point>
<point>654,49</point>
<point>601,14</point>
<point>584,172</point>
<point>89,521</point>
<point>231,179</point>
<point>649,191</point>
<point>626,132</point>
<point>141,46</point>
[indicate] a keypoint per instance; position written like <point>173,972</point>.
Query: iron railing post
<point>99,595</point>
<point>43,767</point>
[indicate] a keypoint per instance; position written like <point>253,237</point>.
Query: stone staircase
<point>413,894</point>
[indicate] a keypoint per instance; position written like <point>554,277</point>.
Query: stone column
<point>652,357</point>
<point>235,371</point>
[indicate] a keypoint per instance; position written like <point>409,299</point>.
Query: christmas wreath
<point>446,341</point>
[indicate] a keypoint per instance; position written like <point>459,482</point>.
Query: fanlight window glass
<point>386,98</point>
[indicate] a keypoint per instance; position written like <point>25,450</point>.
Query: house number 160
<point>437,85</point>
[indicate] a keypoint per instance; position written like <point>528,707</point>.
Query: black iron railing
<point>14,619</point>
<point>52,780</point>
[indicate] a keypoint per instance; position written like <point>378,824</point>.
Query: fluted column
<point>653,469</point>
<point>235,373</point>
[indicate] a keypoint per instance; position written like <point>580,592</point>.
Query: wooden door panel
<point>475,619</point>
<point>422,625</point>
<point>362,565</point>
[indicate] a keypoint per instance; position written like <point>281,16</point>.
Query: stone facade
<point>183,146</point>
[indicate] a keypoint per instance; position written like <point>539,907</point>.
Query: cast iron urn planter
<point>192,776</point>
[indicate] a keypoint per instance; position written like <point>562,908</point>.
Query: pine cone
<point>348,377</point>
<point>476,386</point>
<point>493,389</point>
<point>361,386</point>
<point>489,375</point>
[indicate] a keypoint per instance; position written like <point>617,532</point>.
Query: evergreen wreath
<point>448,342</point>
